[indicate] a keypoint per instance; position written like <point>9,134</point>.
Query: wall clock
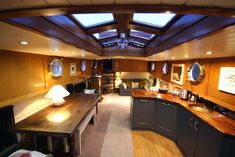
<point>83,66</point>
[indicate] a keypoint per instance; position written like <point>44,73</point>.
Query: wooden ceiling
<point>53,18</point>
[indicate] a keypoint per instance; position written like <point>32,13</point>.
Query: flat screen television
<point>108,65</point>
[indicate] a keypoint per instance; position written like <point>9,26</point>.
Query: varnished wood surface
<point>75,108</point>
<point>151,144</point>
<point>213,118</point>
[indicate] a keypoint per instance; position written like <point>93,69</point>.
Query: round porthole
<point>196,72</point>
<point>56,68</point>
<point>165,68</point>
<point>83,66</point>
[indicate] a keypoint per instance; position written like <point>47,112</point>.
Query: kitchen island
<point>197,132</point>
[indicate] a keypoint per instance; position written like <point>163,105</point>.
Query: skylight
<point>90,20</point>
<point>153,19</point>
<point>140,34</point>
<point>105,34</point>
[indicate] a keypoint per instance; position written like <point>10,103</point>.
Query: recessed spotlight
<point>168,12</point>
<point>172,57</point>
<point>24,43</point>
<point>186,56</point>
<point>73,53</point>
<point>209,53</point>
<point>83,55</point>
<point>56,50</point>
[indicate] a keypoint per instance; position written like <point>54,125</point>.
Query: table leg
<point>94,119</point>
<point>77,141</point>
<point>49,143</point>
<point>66,145</point>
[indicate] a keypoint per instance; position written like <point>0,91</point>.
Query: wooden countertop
<point>60,121</point>
<point>215,119</point>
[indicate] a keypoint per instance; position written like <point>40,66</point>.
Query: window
<point>105,34</point>
<point>153,19</point>
<point>90,20</point>
<point>140,34</point>
<point>137,42</point>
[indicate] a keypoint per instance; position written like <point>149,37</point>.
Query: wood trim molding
<point>50,11</point>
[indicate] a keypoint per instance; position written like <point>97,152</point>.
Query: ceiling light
<point>83,55</point>
<point>172,57</point>
<point>56,50</point>
<point>209,53</point>
<point>186,56</point>
<point>24,43</point>
<point>73,53</point>
<point>122,42</point>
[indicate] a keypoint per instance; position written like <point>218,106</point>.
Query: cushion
<point>142,83</point>
<point>128,84</point>
<point>124,85</point>
<point>27,153</point>
<point>135,84</point>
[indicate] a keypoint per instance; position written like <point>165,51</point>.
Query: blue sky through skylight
<point>89,20</point>
<point>153,19</point>
<point>141,34</point>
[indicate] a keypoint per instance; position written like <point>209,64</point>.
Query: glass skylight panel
<point>105,34</point>
<point>153,19</point>
<point>90,20</point>
<point>137,42</point>
<point>141,34</point>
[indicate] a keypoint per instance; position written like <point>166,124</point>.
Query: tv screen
<point>108,65</point>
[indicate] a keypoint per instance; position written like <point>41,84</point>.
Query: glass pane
<point>141,34</point>
<point>137,42</point>
<point>90,20</point>
<point>105,34</point>
<point>153,19</point>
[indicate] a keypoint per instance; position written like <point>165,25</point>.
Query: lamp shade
<point>57,93</point>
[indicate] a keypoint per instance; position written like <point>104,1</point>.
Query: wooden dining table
<point>63,121</point>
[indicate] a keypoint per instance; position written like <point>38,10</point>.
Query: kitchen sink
<point>199,107</point>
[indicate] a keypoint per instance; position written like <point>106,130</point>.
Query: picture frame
<point>177,73</point>
<point>73,69</point>
<point>227,80</point>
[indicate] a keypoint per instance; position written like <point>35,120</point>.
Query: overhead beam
<point>102,28</point>
<point>122,20</point>
<point>145,29</point>
<point>210,11</point>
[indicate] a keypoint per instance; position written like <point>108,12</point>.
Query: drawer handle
<point>143,100</point>
<point>165,104</point>
<point>196,126</point>
<point>191,121</point>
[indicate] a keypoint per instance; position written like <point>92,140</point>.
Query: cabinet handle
<point>196,125</point>
<point>165,104</point>
<point>191,121</point>
<point>143,100</point>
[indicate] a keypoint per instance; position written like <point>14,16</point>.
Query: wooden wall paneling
<point>214,80</point>
<point>127,65</point>
<point>21,74</point>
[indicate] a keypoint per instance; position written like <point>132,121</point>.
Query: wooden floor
<point>151,144</point>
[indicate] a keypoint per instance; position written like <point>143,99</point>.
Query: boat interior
<point>134,78</point>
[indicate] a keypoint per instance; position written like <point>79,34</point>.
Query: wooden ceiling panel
<point>102,28</point>
<point>101,2</point>
<point>149,1</point>
<point>145,29</point>
<point>58,2</point>
<point>175,2</point>
<point>33,3</point>
<point>199,2</point>
<point>11,4</point>
<point>126,1</point>
<point>197,30</point>
<point>224,3</point>
<point>46,27</point>
<point>80,2</point>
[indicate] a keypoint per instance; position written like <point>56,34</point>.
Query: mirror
<point>164,68</point>
<point>177,73</point>
<point>196,72</point>
<point>55,68</point>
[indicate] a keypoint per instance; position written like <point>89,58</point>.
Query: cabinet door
<point>208,141</point>
<point>185,133</point>
<point>142,114</point>
<point>165,119</point>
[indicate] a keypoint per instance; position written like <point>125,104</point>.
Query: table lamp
<point>57,94</point>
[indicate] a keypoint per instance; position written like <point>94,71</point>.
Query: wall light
<point>208,52</point>
<point>56,50</point>
<point>57,94</point>
<point>24,43</point>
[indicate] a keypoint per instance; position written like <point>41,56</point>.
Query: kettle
<point>185,94</point>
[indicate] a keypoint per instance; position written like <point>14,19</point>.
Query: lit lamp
<point>57,94</point>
